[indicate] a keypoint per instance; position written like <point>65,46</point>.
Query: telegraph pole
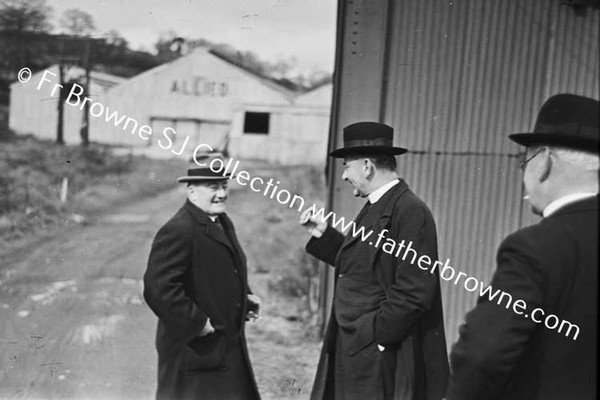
<point>60,105</point>
<point>85,126</point>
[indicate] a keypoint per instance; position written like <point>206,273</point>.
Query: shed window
<point>256,123</point>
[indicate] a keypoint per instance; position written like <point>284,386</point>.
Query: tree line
<point>28,38</point>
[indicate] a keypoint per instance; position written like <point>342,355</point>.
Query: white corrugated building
<point>35,111</point>
<point>200,98</point>
<point>284,135</point>
<point>196,96</point>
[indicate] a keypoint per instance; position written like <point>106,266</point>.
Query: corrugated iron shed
<point>454,78</point>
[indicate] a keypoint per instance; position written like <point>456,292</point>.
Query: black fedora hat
<point>368,138</point>
<point>566,120</point>
<point>209,169</point>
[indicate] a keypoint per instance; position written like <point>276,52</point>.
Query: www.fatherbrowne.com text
<point>270,189</point>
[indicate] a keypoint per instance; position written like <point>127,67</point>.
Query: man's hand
<point>315,225</point>
<point>208,328</point>
<point>253,307</point>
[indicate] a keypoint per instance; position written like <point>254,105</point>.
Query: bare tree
<point>77,22</point>
<point>24,16</point>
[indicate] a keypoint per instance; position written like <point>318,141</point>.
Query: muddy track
<point>73,323</point>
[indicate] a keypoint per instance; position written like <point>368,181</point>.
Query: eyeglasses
<point>524,162</point>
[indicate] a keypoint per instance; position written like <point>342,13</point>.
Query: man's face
<point>356,172</point>
<point>209,196</point>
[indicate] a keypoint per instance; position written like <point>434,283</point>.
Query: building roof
<point>269,82</point>
<point>272,82</point>
<point>325,81</point>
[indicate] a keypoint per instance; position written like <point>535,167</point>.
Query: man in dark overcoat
<point>196,283</point>
<point>385,338</point>
<point>546,348</point>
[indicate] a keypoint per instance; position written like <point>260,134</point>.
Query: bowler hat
<point>368,138</point>
<point>211,167</point>
<point>566,120</point>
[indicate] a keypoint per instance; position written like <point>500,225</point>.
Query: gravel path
<point>73,323</point>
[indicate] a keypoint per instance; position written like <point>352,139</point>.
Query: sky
<point>273,29</point>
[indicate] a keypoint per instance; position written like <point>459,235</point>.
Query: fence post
<point>64,189</point>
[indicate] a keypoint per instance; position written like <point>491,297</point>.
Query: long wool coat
<point>408,322</point>
<point>196,270</point>
<point>552,265</point>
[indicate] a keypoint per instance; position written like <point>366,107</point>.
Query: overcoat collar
<point>588,204</point>
<point>385,206</point>
<point>212,230</point>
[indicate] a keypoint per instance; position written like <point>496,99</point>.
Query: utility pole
<point>60,105</point>
<point>85,125</point>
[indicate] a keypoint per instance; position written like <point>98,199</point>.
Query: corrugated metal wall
<point>475,200</point>
<point>454,78</point>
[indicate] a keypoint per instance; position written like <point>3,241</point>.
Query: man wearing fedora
<point>196,283</point>
<point>385,337</point>
<point>552,265</point>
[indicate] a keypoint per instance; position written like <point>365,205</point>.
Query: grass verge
<point>34,173</point>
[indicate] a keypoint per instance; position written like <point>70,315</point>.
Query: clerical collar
<point>563,201</point>
<point>376,194</point>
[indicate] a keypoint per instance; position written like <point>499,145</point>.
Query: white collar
<point>563,201</point>
<point>376,194</point>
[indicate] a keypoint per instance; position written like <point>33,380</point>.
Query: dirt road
<point>73,323</point>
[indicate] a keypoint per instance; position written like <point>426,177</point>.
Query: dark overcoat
<point>408,322</point>
<point>552,265</point>
<point>196,270</point>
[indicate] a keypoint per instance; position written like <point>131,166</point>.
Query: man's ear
<point>546,167</point>
<point>191,190</point>
<point>369,168</point>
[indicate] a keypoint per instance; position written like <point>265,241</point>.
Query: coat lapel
<point>387,202</point>
<point>213,231</point>
<point>349,239</point>
<point>235,244</point>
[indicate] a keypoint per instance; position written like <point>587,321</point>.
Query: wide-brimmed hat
<point>368,138</point>
<point>208,170</point>
<point>566,120</point>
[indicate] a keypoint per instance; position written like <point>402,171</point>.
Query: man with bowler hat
<point>546,348</point>
<point>385,337</point>
<point>196,283</point>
